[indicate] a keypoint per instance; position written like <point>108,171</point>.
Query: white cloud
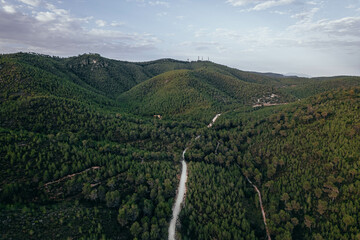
<point>9,9</point>
<point>226,34</point>
<point>58,11</point>
<point>312,3</point>
<point>280,12</point>
<point>259,5</point>
<point>131,40</point>
<point>238,3</point>
<point>56,31</point>
<point>203,46</point>
<point>33,3</point>
<point>351,6</point>
<point>348,26</point>
<point>117,24</point>
<point>159,3</point>
<point>306,16</point>
<point>199,33</point>
<point>162,14</point>
<point>101,23</point>
<point>144,3</point>
<point>273,3</point>
<point>45,16</point>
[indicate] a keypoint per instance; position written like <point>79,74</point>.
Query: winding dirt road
<point>182,190</point>
<point>262,208</point>
<point>179,199</point>
<point>71,175</point>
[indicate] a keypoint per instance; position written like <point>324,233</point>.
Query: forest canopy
<point>91,149</point>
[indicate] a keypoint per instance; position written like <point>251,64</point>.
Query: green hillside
<point>29,75</point>
<point>304,158</point>
<point>189,91</point>
<point>302,88</point>
<point>83,157</point>
<point>67,169</point>
<point>175,92</point>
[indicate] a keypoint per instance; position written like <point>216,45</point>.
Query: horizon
<point>289,74</point>
<point>314,38</point>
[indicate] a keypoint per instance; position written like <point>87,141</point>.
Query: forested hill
<point>136,87</point>
<point>107,76</point>
<point>190,91</point>
<point>82,155</point>
<point>304,158</point>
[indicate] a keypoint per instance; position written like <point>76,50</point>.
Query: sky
<point>314,37</point>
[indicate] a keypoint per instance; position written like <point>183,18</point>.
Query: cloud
<point>306,16</point>
<point>33,3</point>
<point>270,4</point>
<point>254,38</point>
<point>58,11</point>
<point>204,46</point>
<point>56,32</point>
<point>162,14</point>
<point>238,3</point>
<point>280,12</point>
<point>159,3</point>
<point>348,26</point>
<point>144,3</point>
<point>311,3</point>
<point>259,5</point>
<point>351,6</point>
<point>9,8</point>
<point>101,23</point>
<point>117,24</point>
<point>45,16</point>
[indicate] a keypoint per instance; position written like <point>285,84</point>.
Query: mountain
<point>310,86</point>
<point>82,155</point>
<point>189,91</point>
<point>298,75</point>
<point>270,74</point>
<point>304,159</point>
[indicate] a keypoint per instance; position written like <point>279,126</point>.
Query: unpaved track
<point>71,175</point>
<point>262,208</point>
<point>182,190</point>
<point>179,198</point>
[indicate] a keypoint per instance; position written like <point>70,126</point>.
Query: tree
<point>112,199</point>
<point>318,192</point>
<point>309,221</point>
<point>307,185</point>
<point>348,220</point>
<point>148,207</point>
<point>122,216</point>
<point>86,190</point>
<point>135,229</point>
<point>154,232</point>
<point>285,197</point>
<point>322,207</point>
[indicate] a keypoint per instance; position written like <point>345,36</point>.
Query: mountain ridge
<point>83,156</point>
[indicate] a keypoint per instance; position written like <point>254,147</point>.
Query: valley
<point>182,188</point>
<point>95,148</point>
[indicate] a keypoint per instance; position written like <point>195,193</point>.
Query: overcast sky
<point>285,36</point>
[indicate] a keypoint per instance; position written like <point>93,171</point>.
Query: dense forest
<point>91,148</point>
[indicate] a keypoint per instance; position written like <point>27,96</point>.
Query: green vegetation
<point>187,92</point>
<point>83,157</point>
<point>304,158</point>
